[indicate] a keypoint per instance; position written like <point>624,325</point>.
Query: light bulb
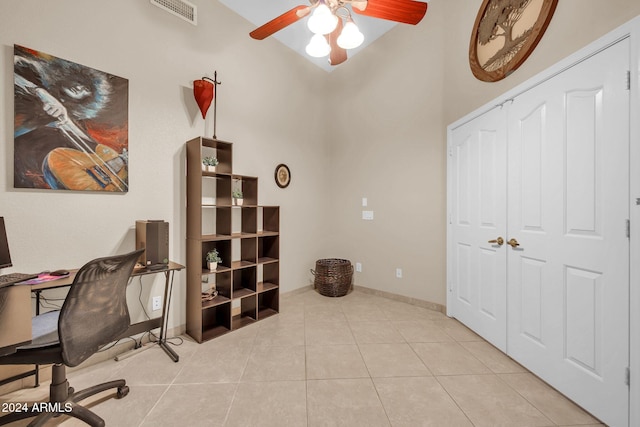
<point>318,46</point>
<point>350,37</point>
<point>322,20</point>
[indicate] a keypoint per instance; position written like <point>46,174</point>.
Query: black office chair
<point>94,314</point>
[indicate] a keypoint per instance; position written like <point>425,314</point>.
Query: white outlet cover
<point>364,201</point>
<point>368,215</point>
<point>399,273</point>
<point>358,267</point>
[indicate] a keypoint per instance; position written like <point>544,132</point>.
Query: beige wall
<point>386,145</point>
<point>270,105</point>
<point>575,24</point>
<point>375,127</point>
<point>389,109</point>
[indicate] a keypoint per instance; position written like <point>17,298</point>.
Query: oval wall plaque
<point>504,35</point>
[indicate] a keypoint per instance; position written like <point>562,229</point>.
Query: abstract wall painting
<point>70,125</point>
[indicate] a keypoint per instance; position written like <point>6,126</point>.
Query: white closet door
<point>478,268</point>
<point>568,293</point>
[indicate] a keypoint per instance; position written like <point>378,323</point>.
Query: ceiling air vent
<point>180,8</point>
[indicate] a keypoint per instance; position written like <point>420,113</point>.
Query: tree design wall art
<point>504,35</point>
<point>70,125</point>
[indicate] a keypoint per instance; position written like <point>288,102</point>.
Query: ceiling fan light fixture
<point>350,37</point>
<point>318,46</point>
<point>322,20</point>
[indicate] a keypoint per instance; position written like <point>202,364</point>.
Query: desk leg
<point>36,370</point>
<point>162,342</point>
<point>38,302</point>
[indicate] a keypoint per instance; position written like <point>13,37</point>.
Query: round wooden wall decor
<point>504,35</point>
<point>283,175</point>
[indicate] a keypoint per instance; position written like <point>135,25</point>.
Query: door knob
<point>513,243</point>
<point>499,241</point>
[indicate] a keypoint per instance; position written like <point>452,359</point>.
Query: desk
<point>136,328</point>
<point>15,311</point>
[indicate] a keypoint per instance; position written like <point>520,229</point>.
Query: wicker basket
<point>333,277</point>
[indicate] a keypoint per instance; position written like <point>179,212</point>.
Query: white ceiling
<point>297,35</point>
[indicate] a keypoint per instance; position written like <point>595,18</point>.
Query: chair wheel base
<point>122,392</point>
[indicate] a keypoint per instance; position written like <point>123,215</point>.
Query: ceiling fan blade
<point>280,22</point>
<point>404,11</point>
<point>337,55</point>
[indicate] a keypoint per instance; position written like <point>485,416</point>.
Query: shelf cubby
<point>270,220</point>
<point>248,250</point>
<point>219,149</point>
<point>249,187</point>
<point>268,303</point>
<point>224,250</point>
<point>248,313</point>
<point>268,249</point>
<point>216,223</point>
<point>249,220</point>
<point>223,283</point>
<point>269,277</point>
<point>243,221</point>
<point>244,282</point>
<point>216,320</point>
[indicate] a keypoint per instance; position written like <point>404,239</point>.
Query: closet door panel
<point>532,129</point>
<point>478,267</point>
<point>531,287</point>
<point>569,321</point>
<point>584,119</point>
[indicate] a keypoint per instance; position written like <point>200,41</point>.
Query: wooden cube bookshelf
<point>246,237</point>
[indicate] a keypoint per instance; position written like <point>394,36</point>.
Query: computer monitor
<point>5,257</point>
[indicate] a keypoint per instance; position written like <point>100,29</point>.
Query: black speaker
<point>153,236</point>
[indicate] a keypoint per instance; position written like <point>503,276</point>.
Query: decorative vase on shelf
<point>213,258</point>
<point>209,164</point>
<point>237,197</point>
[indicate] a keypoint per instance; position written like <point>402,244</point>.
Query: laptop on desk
<point>5,261</point>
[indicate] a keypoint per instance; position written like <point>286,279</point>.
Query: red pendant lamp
<point>203,91</point>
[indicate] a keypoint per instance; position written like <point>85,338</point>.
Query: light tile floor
<point>359,360</point>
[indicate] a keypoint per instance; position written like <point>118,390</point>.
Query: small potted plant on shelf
<point>209,164</point>
<point>237,197</point>
<point>213,258</point>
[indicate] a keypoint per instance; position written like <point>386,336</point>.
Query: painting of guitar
<point>70,125</point>
<point>103,169</point>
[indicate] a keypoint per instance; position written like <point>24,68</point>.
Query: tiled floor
<point>359,360</point>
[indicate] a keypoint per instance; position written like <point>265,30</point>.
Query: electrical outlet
<point>358,267</point>
<point>157,303</point>
<point>399,273</point>
<point>368,215</point>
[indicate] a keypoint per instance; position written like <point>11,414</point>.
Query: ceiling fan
<point>332,24</point>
